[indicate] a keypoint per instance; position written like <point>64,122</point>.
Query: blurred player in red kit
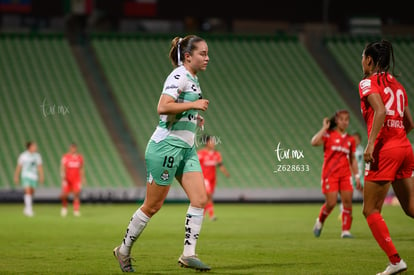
<point>72,172</point>
<point>338,166</point>
<point>210,159</point>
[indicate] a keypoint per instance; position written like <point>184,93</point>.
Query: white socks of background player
<point>136,225</point>
<point>193,222</point>
<point>28,203</point>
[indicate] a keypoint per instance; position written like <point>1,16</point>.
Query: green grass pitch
<point>245,239</point>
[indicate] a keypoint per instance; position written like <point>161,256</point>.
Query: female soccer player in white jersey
<point>28,172</point>
<point>171,152</point>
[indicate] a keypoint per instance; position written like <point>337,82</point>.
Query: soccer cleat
<point>28,212</point>
<point>346,234</point>
<point>394,268</point>
<point>123,260</point>
<point>193,262</point>
<point>317,228</point>
<point>64,212</point>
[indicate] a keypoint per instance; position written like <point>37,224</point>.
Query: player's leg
<point>346,198</point>
<point>346,192</point>
<point>76,198</point>
<point>404,190</point>
<point>160,176</point>
<point>193,185</point>
<point>29,186</point>
<point>210,199</point>
<point>374,196</point>
<point>191,178</point>
<point>326,209</point>
<point>330,191</point>
<point>209,208</point>
<point>404,185</point>
<point>155,196</point>
<point>64,198</point>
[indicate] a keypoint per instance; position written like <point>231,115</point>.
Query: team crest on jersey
<point>165,175</point>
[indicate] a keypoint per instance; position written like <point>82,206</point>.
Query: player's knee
<point>151,210</point>
<point>330,206</point>
<point>200,201</point>
<point>368,211</point>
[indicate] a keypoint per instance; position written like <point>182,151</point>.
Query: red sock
<point>76,204</point>
<point>209,209</point>
<point>380,231</point>
<point>323,214</point>
<point>346,218</point>
<point>65,203</point>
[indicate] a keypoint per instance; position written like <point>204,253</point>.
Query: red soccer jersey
<point>72,165</point>
<point>392,133</point>
<point>209,161</point>
<point>337,149</point>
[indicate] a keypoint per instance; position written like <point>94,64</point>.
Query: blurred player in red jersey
<point>210,159</point>
<point>338,166</point>
<point>388,153</point>
<point>72,172</point>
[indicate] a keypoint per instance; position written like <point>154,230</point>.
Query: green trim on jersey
<point>188,96</point>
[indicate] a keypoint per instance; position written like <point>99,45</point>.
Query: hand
<point>326,123</point>
<point>369,149</point>
<point>16,180</point>
<point>200,122</point>
<point>201,104</point>
<point>358,183</point>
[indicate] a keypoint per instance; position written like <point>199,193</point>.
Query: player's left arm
<point>82,173</point>
<point>223,169</point>
<point>41,173</point>
<point>408,120</point>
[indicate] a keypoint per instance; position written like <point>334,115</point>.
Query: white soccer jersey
<point>29,162</point>
<point>359,156</point>
<point>180,128</point>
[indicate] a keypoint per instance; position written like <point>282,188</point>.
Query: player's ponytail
<point>382,54</point>
<point>175,55</point>
<point>180,46</point>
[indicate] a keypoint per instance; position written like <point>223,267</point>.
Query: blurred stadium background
<point>92,72</point>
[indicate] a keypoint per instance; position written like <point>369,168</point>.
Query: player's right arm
<point>168,106</point>
<point>378,106</point>
<point>317,139</point>
<point>62,170</point>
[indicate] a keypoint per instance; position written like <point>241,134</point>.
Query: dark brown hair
<point>182,46</point>
<point>332,120</point>
<point>382,53</point>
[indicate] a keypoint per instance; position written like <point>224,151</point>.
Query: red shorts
<point>335,184</point>
<point>210,186</point>
<point>71,185</point>
<point>390,164</point>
